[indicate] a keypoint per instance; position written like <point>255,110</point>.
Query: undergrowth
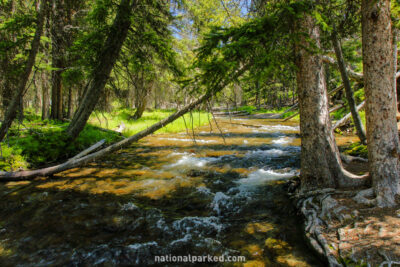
<point>35,143</point>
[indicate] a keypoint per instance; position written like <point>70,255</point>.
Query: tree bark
<point>382,135</point>
<point>105,62</point>
<point>58,20</point>
<point>11,111</point>
<point>321,166</point>
<point>349,92</point>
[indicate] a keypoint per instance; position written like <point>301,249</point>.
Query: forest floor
<point>357,234</point>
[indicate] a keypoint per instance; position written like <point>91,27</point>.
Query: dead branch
<point>347,117</point>
<point>352,74</point>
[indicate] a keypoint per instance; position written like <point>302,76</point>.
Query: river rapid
<point>221,194</point>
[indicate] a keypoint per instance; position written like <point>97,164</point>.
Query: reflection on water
<point>164,195</point>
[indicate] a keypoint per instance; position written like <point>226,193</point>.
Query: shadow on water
<point>160,197</point>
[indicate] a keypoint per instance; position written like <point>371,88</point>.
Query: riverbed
<point>220,192</point>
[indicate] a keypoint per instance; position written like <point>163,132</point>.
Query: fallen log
<point>294,115</point>
<point>352,74</point>
<point>81,160</point>
<point>279,116</point>
<point>330,111</point>
<point>88,150</point>
<point>347,117</point>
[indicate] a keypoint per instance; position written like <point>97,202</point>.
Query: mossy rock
<point>357,149</point>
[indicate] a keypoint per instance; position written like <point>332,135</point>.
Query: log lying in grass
<point>347,117</point>
<point>279,116</point>
<point>337,89</point>
<point>81,160</point>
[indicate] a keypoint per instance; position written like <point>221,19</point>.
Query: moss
<point>357,149</point>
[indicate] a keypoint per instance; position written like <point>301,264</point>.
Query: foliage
<point>124,116</point>
<point>357,149</point>
<point>44,142</point>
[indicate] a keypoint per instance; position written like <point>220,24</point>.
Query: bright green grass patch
<point>37,143</point>
<point>114,119</point>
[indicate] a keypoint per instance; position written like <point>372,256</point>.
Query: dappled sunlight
<point>291,261</point>
<point>17,184</point>
<point>150,188</point>
<point>254,250</point>
<point>259,227</point>
<point>167,192</point>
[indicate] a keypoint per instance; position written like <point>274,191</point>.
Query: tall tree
<point>58,21</point>
<point>321,166</point>
<point>105,61</point>
<point>11,111</point>
<point>382,135</point>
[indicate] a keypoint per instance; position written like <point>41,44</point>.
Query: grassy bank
<point>255,110</point>
<point>35,143</point>
<point>112,120</point>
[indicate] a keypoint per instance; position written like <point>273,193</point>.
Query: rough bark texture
<point>11,111</point>
<point>349,92</point>
<point>105,62</point>
<point>321,166</point>
<point>383,139</point>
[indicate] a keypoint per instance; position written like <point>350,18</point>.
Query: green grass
<point>254,110</point>
<point>36,143</point>
<point>113,120</point>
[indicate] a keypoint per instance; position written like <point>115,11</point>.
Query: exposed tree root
<point>388,262</point>
<point>361,197</point>
<point>313,223</point>
<point>369,198</point>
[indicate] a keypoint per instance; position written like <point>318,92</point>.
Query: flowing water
<point>166,195</point>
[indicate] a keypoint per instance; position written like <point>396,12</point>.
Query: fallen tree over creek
<point>86,155</point>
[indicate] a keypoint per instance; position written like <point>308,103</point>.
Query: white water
<point>283,140</point>
<point>262,176</point>
<point>191,161</point>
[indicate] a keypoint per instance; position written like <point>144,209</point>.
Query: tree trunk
<point>58,37</point>
<point>140,108</point>
<point>142,91</point>
<point>69,110</point>
<point>349,92</point>
<point>45,98</point>
<point>320,160</point>
<point>11,111</point>
<point>382,135</point>
<point>105,62</point>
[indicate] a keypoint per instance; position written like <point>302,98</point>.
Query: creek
<point>166,195</point>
